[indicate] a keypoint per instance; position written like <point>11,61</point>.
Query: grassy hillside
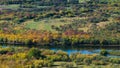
<point>92,19</point>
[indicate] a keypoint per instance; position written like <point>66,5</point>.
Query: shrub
<point>54,57</point>
<point>6,50</point>
<point>115,60</point>
<point>103,53</point>
<point>42,63</point>
<point>3,51</point>
<point>63,55</point>
<point>99,62</point>
<point>34,52</point>
<point>29,42</point>
<point>47,52</point>
<point>19,56</point>
<point>117,53</point>
<point>74,56</point>
<point>99,57</point>
<point>60,52</point>
<point>67,65</point>
<point>87,61</point>
<point>58,57</point>
<point>10,49</point>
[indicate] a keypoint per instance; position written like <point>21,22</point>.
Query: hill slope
<point>100,19</point>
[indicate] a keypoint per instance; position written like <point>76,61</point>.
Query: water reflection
<point>73,49</point>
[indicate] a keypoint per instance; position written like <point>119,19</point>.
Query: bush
<point>98,62</point>
<point>42,63</point>
<point>47,52</point>
<point>3,51</point>
<point>34,52</point>
<point>103,53</point>
<point>67,65</point>
<point>54,57</point>
<point>58,57</point>
<point>115,60</point>
<point>29,42</point>
<point>117,53</point>
<point>6,50</point>
<point>77,57</point>
<point>19,56</point>
<point>87,61</point>
<point>63,55</point>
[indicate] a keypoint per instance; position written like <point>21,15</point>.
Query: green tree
<point>103,52</point>
<point>34,52</point>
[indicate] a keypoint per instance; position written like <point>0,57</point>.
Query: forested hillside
<point>60,22</point>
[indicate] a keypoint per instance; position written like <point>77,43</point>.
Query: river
<point>74,49</point>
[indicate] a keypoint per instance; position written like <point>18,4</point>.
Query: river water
<point>87,51</point>
<point>73,49</point>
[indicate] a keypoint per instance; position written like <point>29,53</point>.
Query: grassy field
<point>47,23</point>
<point>13,6</point>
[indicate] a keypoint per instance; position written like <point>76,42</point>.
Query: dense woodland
<point>73,22</point>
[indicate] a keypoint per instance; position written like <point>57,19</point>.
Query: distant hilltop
<point>54,2</point>
<point>40,1</point>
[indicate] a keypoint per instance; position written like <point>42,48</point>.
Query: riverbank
<point>72,49</point>
<point>81,45</point>
<point>24,57</point>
